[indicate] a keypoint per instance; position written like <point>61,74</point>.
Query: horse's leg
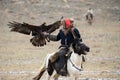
<point>87,17</point>
<point>42,70</point>
<point>91,16</point>
<point>91,19</point>
<point>56,76</point>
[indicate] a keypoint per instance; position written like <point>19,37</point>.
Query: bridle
<point>83,57</point>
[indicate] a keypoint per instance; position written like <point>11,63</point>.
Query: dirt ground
<point>19,60</point>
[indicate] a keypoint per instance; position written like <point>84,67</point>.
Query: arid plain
<point>19,60</point>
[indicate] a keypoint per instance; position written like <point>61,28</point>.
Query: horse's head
<point>79,47</point>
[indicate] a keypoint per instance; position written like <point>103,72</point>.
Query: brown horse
<point>89,18</point>
<point>63,64</point>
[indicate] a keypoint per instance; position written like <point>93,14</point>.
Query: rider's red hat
<point>68,23</point>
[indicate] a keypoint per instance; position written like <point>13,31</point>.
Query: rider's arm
<point>54,37</point>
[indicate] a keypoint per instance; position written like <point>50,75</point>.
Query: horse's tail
<point>43,69</point>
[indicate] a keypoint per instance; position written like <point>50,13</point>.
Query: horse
<point>89,18</point>
<point>64,63</point>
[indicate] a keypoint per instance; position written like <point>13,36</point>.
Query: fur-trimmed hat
<point>68,22</point>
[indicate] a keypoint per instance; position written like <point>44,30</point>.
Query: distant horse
<point>89,18</point>
<point>64,63</point>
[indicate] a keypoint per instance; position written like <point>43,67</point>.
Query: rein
<point>75,66</point>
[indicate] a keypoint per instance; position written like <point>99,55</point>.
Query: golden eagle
<point>39,39</point>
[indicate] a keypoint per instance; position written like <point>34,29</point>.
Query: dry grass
<point>20,60</point>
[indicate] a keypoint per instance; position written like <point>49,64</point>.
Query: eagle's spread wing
<point>39,39</point>
<point>25,28</point>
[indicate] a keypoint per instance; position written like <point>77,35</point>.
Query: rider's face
<point>64,25</point>
<point>72,23</point>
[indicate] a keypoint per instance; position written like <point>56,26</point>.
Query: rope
<point>75,65</point>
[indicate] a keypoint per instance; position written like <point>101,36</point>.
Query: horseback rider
<point>67,35</point>
<point>89,11</point>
